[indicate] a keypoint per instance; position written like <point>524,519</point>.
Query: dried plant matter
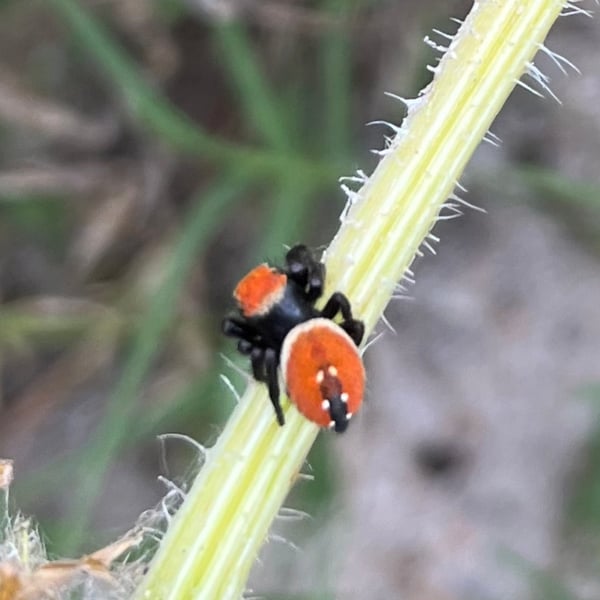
<point>27,574</point>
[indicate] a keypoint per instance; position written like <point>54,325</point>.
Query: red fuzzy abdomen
<point>318,356</point>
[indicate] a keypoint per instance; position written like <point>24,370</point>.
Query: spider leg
<point>233,326</point>
<point>257,360</point>
<point>250,344</point>
<point>355,329</point>
<point>339,303</point>
<point>307,272</point>
<point>271,364</point>
<point>264,363</point>
<point>245,347</point>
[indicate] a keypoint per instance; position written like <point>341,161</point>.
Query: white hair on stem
<point>542,80</point>
<point>229,385</point>
<point>559,60</point>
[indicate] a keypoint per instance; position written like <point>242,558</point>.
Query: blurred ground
<point>471,471</point>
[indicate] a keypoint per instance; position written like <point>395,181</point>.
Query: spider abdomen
<point>323,373</point>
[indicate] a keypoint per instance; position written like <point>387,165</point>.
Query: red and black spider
<point>278,324</point>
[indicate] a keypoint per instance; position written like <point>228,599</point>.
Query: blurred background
<point>151,151</point>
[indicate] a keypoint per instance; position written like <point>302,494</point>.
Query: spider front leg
<point>264,368</point>
<point>237,327</point>
<point>249,337</point>
<point>271,362</point>
<point>307,272</point>
<point>339,303</point>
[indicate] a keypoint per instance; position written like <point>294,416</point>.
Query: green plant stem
<point>212,543</point>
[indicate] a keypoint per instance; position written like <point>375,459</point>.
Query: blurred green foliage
<point>296,167</point>
<point>42,217</point>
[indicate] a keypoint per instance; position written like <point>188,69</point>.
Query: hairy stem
<point>213,541</point>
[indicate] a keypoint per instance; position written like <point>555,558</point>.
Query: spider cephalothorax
<point>277,323</point>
